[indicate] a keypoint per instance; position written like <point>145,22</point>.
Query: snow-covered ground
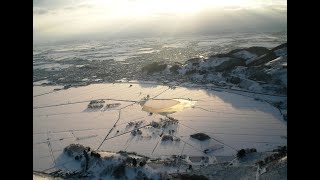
<point>223,86</point>
<point>110,60</point>
<point>233,121</point>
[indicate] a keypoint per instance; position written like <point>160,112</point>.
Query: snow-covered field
<point>109,60</point>
<point>233,121</point>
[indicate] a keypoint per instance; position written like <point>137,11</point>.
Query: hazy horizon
<point>96,19</point>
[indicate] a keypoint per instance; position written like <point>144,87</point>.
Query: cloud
<point>277,8</point>
<point>39,10</point>
<point>89,19</point>
<point>78,6</point>
<point>52,4</point>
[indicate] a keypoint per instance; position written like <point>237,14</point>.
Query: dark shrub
<point>142,163</point>
<point>167,138</point>
<point>174,69</point>
<point>134,162</point>
<point>154,67</point>
<point>95,154</point>
<point>200,136</point>
<point>241,153</point>
<point>119,171</point>
<point>253,150</point>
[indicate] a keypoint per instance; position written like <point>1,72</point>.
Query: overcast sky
<point>94,19</point>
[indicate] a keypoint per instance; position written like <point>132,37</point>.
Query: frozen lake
<point>62,117</point>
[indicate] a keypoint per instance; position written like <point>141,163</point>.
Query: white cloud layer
<point>76,19</point>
